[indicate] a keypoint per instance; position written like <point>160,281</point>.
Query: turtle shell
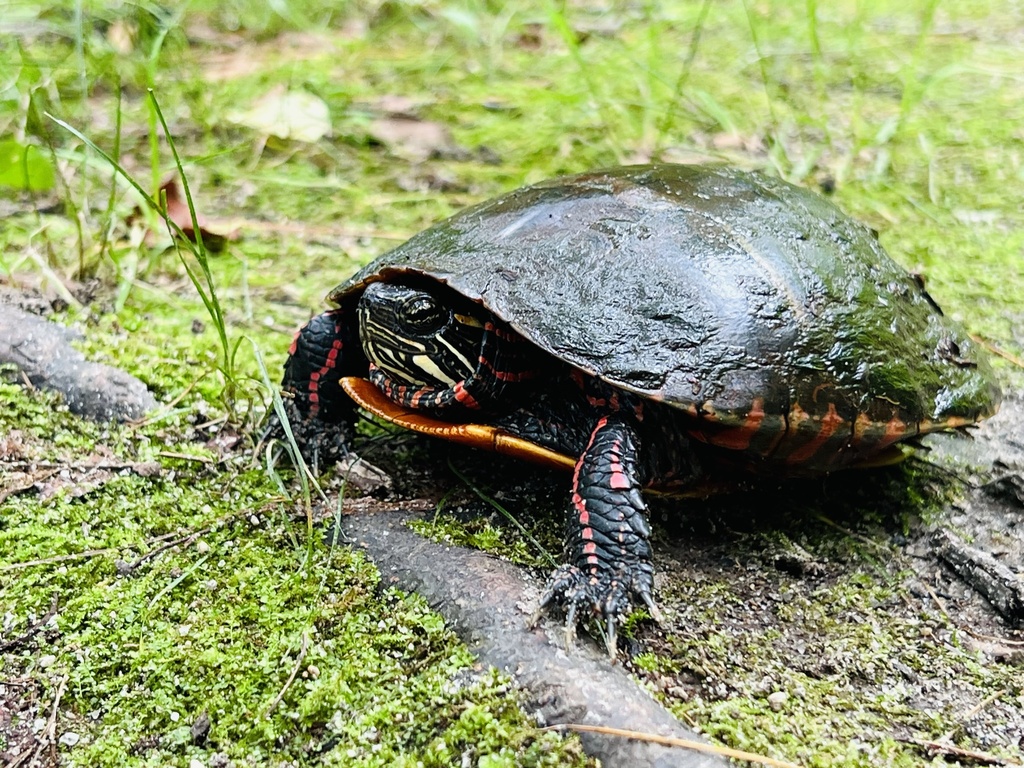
<point>777,322</point>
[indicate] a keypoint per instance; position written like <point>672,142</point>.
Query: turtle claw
<point>610,640</point>
<point>570,626</point>
<point>652,607</point>
<point>599,594</point>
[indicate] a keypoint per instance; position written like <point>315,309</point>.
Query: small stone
<point>202,547</point>
<point>47,661</point>
<point>200,728</point>
<point>777,700</point>
<point>364,476</point>
<point>175,717</point>
<point>69,738</point>
<point>195,762</point>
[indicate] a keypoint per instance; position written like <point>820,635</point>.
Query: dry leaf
<point>295,115</point>
<point>215,236</point>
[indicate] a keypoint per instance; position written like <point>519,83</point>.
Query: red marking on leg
<point>619,480</point>
<point>505,375</point>
<point>329,362</point>
<point>580,504</point>
<point>581,509</point>
<point>333,353</point>
<point>579,462</point>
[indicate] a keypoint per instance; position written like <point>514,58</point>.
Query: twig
<point>114,550</point>
<point>59,558</point>
<point>184,540</point>
<point>166,409</point>
<point>994,639</point>
<point>8,645</point>
<point>211,423</point>
<point>28,466</point>
<point>966,716</point>
<point>22,758</point>
<point>853,534</point>
<point>50,734</point>
<point>75,555</point>
<point>938,748</point>
<point>999,351</point>
<point>188,457</point>
<point>291,677</point>
<point>937,600</point>
<point>967,630</point>
<point>669,741</point>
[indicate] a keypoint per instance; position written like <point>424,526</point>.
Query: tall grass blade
<point>669,116</point>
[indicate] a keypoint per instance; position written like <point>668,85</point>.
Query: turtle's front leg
<point>320,413</point>
<point>607,544</point>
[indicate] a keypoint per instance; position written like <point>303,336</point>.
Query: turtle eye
<point>424,315</point>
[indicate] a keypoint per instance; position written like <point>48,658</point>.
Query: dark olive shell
<point>753,304</point>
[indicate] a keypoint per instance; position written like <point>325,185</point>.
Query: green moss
<point>852,672</point>
<point>218,622</point>
<point>479,534</point>
<point>912,113</point>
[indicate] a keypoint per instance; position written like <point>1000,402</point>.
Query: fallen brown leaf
<point>214,238</point>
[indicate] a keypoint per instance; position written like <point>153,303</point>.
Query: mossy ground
<point>911,113</point>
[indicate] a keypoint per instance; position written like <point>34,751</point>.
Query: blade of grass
<point>307,481</point>
<point>668,118</point>
<point>565,31</point>
<point>205,286</point>
<point>773,134</point>
<point>199,251</point>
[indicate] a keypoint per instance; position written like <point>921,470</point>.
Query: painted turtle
<point>637,326</point>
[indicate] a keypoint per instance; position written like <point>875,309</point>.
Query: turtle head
<point>416,336</point>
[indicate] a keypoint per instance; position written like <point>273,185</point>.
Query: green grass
<point>912,111</point>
